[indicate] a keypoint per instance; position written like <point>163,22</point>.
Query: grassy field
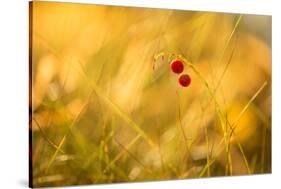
<point>107,107</point>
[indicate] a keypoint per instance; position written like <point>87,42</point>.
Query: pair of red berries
<point>177,67</point>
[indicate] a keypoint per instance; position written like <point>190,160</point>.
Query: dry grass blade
<point>244,158</point>
<point>225,69</point>
<point>133,156</point>
<point>69,129</point>
<point>235,122</point>
<point>182,127</point>
<point>117,157</point>
<point>208,164</point>
<point>230,38</point>
<point>118,110</point>
<point>45,136</point>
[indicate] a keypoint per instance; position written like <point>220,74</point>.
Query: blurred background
<point>107,108</point>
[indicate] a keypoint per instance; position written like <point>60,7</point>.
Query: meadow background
<point>106,107</point>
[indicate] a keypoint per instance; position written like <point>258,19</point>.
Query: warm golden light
<point>110,105</point>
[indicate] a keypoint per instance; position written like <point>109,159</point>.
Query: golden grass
<point>107,108</point>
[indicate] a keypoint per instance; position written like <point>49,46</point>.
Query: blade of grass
<point>182,130</point>
<point>207,146</point>
<point>244,157</point>
<point>206,167</point>
<point>117,157</point>
<point>235,123</point>
<point>118,110</point>
<point>133,156</point>
<point>230,38</point>
<point>45,136</point>
<point>69,129</point>
<point>225,69</point>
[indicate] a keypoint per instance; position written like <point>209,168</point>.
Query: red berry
<point>184,80</point>
<point>177,66</point>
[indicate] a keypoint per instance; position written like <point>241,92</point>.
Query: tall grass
<point>107,108</point>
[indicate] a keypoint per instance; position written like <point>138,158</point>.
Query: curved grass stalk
<point>230,37</point>
<point>218,109</point>
<point>211,93</point>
